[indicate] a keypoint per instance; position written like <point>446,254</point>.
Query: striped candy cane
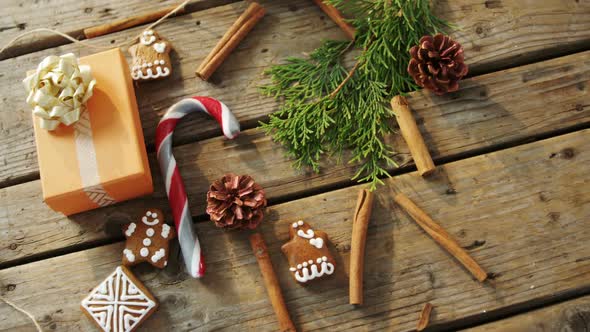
<point>189,242</point>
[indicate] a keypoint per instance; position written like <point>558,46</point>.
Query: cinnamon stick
<point>412,136</point>
<point>424,317</point>
<point>230,40</point>
<point>362,214</point>
<point>129,22</point>
<point>441,236</point>
<point>271,282</point>
<point>337,17</point>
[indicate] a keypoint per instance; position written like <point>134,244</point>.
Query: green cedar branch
<point>330,111</point>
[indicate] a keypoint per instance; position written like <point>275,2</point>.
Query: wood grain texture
<point>504,33</point>
<point>131,21</point>
<point>530,229</point>
<point>573,315</point>
<point>72,17</point>
<point>493,33</point>
<point>441,236</point>
<point>491,110</point>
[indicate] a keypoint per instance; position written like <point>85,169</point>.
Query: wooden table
<point>513,181</point>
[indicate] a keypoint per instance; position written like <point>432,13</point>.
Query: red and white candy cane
<point>189,242</point>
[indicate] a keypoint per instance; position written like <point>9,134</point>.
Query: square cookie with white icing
<point>148,240</point>
<point>119,303</point>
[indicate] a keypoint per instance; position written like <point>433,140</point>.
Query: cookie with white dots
<point>148,240</point>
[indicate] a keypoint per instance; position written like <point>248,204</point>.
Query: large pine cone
<point>236,202</point>
<point>437,64</point>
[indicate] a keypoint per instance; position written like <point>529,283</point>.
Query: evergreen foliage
<point>328,108</point>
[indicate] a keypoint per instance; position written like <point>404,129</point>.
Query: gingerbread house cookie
<point>120,303</point>
<point>151,57</point>
<point>148,240</point>
<point>308,253</point>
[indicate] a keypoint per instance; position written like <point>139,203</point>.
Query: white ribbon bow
<point>59,89</point>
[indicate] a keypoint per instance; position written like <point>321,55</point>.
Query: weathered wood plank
<point>522,213</point>
<point>494,33</point>
<point>500,33</point>
<point>283,32</point>
<point>491,110</point>
<point>565,316</point>
<point>71,17</point>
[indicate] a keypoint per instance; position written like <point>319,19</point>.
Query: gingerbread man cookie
<point>308,253</point>
<point>151,59</point>
<point>148,240</point>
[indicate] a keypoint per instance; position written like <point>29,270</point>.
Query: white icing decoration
<point>145,219</point>
<point>165,263</point>
<point>318,242</point>
<point>132,290</point>
<point>158,255</point>
<point>299,266</point>
<point>129,255</point>
<point>149,232</point>
<point>147,242</point>
<point>300,222</point>
<point>319,260</point>
<point>154,215</point>
<point>306,235</point>
<point>117,304</point>
<point>160,47</point>
<point>165,231</point>
<point>309,274</point>
<point>160,72</point>
<point>304,277</point>
<point>149,213</point>
<point>310,261</point>
<point>147,38</point>
<point>304,264</point>
<point>295,225</point>
<point>292,269</point>
<point>162,62</point>
<point>130,229</point>
<point>329,268</point>
<point>325,259</point>
<point>144,252</point>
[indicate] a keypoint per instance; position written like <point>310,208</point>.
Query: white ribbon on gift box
<point>87,163</point>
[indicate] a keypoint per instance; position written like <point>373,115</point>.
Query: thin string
<point>76,41</point>
<point>24,312</point>
<point>179,7</point>
<point>68,37</point>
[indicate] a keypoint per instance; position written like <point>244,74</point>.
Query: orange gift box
<point>101,159</point>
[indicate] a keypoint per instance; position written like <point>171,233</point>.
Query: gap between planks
<point>567,315</point>
<point>513,310</point>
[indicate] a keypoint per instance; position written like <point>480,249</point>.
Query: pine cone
<point>236,202</point>
<point>437,64</point>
